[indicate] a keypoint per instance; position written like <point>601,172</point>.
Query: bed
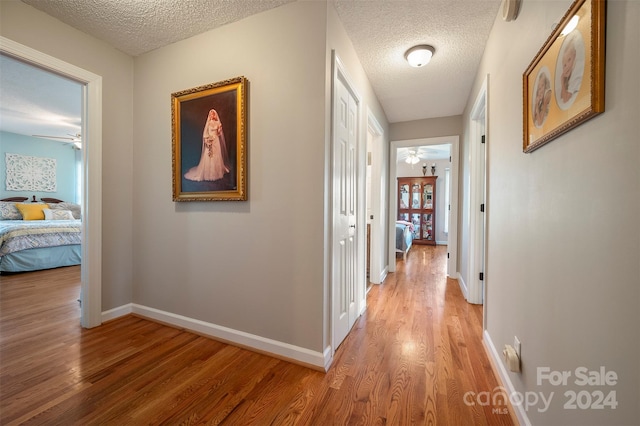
<point>31,245</point>
<point>404,237</point>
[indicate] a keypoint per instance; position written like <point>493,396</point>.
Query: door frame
<point>339,73</point>
<point>478,126</point>
<point>452,237</point>
<point>91,268</point>
<point>377,271</point>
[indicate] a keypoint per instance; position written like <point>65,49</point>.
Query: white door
<point>477,200</point>
<point>345,111</point>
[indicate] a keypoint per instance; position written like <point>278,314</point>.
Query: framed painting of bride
<point>209,131</point>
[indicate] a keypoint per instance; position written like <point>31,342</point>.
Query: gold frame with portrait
<point>564,84</point>
<point>209,138</point>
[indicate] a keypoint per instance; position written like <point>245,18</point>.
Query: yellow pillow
<point>32,211</point>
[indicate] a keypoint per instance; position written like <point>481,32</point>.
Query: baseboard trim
<point>277,349</point>
<point>383,275</point>
<point>114,313</point>
<point>463,287</point>
<point>517,413</point>
<point>328,358</point>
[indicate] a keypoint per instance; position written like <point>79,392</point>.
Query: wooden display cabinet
<point>417,204</point>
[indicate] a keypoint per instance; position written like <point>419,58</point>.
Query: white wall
<point>30,27</point>
<point>563,234</point>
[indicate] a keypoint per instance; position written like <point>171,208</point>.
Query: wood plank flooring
<point>409,360</point>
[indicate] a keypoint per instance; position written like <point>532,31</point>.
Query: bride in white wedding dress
<point>214,163</point>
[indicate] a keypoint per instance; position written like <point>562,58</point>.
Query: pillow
<point>32,211</point>
<point>74,208</point>
<point>8,211</point>
<point>57,214</point>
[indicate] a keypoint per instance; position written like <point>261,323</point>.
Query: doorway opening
<point>91,176</point>
<point>478,141</point>
<point>429,152</point>
<point>376,214</point>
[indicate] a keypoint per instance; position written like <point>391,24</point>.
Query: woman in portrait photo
<point>214,161</point>
<point>542,98</point>
<point>569,69</point>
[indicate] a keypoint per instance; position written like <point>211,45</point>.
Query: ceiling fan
<point>76,139</point>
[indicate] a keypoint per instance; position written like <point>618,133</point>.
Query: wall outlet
<point>516,345</point>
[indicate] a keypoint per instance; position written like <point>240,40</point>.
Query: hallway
<point>410,359</point>
<point>415,353</point>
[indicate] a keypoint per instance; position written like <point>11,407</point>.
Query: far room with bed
<point>404,237</point>
<point>421,214</point>
<point>40,235</point>
<point>40,216</point>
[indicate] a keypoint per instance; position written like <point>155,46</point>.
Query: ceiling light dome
<point>420,55</point>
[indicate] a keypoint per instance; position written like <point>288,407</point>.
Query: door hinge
<point>449,158</point>
<point>482,139</point>
<point>481,276</point>
<point>447,255</point>
<point>482,208</point>
<point>449,207</point>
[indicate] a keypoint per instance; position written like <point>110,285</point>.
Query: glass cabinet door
<point>404,196</point>
<point>427,196</point>
<point>415,219</point>
<point>427,226</point>
<point>415,196</point>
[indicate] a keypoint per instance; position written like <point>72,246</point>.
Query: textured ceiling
<point>139,26</point>
<point>381,31</point>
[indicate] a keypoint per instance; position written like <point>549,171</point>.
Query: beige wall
<point>258,266</point>
<point>564,237</point>
<point>427,128</point>
<point>254,266</point>
<point>27,26</point>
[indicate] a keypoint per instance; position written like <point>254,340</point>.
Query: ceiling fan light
<point>420,55</point>
<point>412,158</point>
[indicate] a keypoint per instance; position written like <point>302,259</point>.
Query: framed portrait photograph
<point>564,84</point>
<point>209,138</point>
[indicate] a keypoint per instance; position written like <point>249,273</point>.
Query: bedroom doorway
<point>452,209</point>
<point>91,173</point>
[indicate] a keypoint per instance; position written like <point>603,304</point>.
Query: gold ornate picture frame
<point>564,84</point>
<point>209,138</point>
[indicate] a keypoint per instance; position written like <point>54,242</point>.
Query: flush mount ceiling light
<point>420,55</point>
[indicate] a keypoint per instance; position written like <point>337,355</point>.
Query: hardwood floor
<point>410,359</point>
